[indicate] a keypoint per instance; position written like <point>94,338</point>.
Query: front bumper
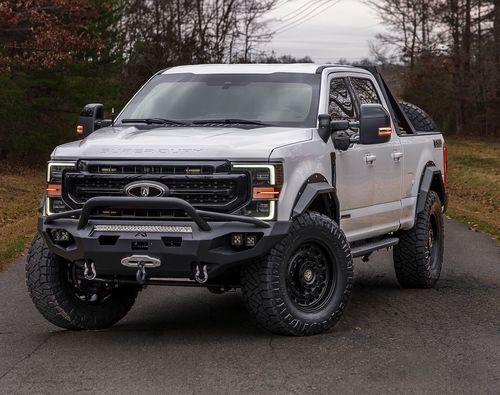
<point>184,244</point>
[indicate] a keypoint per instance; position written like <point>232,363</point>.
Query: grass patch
<point>20,194</point>
<point>474,184</point>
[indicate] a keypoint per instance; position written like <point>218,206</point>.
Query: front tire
<point>67,303</point>
<point>418,257</point>
<point>301,287</point>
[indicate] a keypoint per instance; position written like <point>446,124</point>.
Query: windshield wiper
<point>155,121</point>
<point>230,121</point>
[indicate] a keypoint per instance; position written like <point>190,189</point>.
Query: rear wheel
<point>418,258</point>
<point>302,285</point>
<point>64,298</point>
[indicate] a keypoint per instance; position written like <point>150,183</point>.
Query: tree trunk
<point>496,32</point>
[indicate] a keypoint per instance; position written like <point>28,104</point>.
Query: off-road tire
<point>46,278</point>
<point>420,120</point>
<point>264,282</point>
<point>414,269</point>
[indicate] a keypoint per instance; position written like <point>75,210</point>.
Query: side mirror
<point>91,118</point>
<point>374,124</point>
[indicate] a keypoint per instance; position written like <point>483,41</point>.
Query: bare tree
<point>454,42</point>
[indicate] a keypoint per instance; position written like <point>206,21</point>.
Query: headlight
<point>267,180</point>
<point>53,202</point>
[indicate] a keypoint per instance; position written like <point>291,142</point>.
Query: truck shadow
<point>195,313</point>
<point>167,315</point>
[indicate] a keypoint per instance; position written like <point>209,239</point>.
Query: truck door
<point>355,180</point>
<point>385,161</point>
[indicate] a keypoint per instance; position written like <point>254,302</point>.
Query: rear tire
<point>420,120</point>
<point>56,297</point>
<point>301,287</point>
<point>418,258</point>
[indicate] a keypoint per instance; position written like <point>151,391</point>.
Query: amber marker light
<point>265,193</point>
<point>79,129</point>
<point>384,132</point>
<point>54,190</point>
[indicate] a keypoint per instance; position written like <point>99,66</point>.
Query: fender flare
<point>313,187</point>
<point>431,180</point>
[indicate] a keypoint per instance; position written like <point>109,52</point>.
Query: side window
<point>340,104</point>
<point>365,91</point>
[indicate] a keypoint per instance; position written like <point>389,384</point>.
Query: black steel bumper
<point>205,239</point>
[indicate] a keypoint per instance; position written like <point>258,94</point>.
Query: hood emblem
<point>146,189</point>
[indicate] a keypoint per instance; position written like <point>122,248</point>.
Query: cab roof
<point>254,68</point>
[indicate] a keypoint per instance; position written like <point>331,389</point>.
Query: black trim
<point>334,168</point>
<point>398,116</point>
<point>320,69</point>
<point>430,176</point>
<point>369,246</point>
<point>314,186</point>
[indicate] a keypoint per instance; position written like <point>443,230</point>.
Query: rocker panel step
<point>373,246</point>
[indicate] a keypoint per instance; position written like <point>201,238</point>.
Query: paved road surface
<point>189,341</point>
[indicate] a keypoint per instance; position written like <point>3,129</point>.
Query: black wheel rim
<point>310,278</point>
<point>88,292</point>
<point>433,243</point>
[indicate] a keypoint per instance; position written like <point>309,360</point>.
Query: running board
<point>369,247</point>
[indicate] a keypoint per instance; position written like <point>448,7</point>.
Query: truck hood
<point>182,143</point>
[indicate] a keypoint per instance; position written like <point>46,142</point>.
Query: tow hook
<point>201,274</point>
<point>141,262</point>
<point>89,273</point>
<point>140,276</point>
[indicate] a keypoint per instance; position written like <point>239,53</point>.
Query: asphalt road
<point>178,340</point>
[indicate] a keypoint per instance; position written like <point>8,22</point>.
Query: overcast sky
<point>336,29</point>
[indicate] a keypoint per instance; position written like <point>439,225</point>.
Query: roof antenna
<point>112,116</point>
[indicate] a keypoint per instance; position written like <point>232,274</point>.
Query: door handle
<point>397,156</point>
<point>370,158</point>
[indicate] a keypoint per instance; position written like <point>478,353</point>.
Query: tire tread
<point>261,283</point>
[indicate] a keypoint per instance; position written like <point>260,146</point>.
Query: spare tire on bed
<point>420,120</point>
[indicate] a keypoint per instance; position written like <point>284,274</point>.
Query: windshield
<point>279,99</point>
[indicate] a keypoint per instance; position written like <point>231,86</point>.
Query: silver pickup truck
<point>267,178</point>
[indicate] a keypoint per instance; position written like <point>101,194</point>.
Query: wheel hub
<point>310,278</point>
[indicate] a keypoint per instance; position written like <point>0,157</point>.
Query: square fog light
<point>250,240</point>
<point>237,239</point>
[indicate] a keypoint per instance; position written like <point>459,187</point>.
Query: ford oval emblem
<point>146,189</point>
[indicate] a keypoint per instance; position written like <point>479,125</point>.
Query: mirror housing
<point>91,118</point>
<point>324,130</point>
<point>374,124</point>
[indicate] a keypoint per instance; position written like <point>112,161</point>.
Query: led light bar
<point>144,228</point>
<point>272,173</point>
